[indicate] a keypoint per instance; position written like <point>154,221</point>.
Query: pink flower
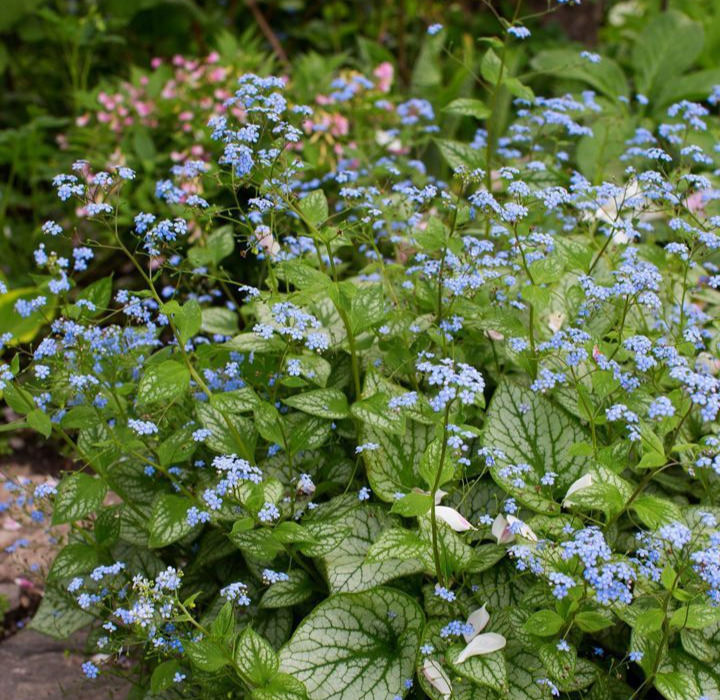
<point>696,203</point>
<point>385,74</point>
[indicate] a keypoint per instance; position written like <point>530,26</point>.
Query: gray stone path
<point>35,667</point>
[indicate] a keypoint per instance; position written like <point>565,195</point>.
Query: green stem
<point>433,492</point>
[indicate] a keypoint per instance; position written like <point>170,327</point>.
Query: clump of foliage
<point>443,437</point>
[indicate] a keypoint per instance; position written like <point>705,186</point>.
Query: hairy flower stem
<point>242,447</point>
<point>436,485</point>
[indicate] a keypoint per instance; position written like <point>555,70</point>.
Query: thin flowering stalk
<point>247,454</point>
<point>229,657</point>
<point>355,364</point>
<point>646,685</point>
<point>433,491</point>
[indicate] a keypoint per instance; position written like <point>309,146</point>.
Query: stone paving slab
<point>35,667</point>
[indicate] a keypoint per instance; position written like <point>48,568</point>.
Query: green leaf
<point>24,329</point>
<point>290,532</point>
<point>668,45</point>
<point>360,645</point>
<point>677,686</point>
<point>59,615</point>
<point>177,448</point>
<point>219,320</point>
<point>281,687</point>
<point>367,308</point>
<point>531,429</point>
<point>284,594</point>
<point>256,544</point>
<point>268,423</point>
<point>459,155</point>
<point>412,504</point>
<point>468,108</point>
<point>255,657</point>
<point>593,621</point>
<point>344,533</point>
<point>314,207</point>
<point>238,440</point>
<point>607,76</point>
<point>430,464</point>
<point>518,89</point>
<point>433,237</point>
<point>491,67</point>
<point>164,382</point>
<point>544,623</point>
<point>143,144</point>
<point>325,403</point>
<point>38,420</point>
<point>163,676</point>
<point>219,245</point>
<point>705,676</point>
<point>398,543</point>
<point>696,616</point>
<point>303,275</point>
<point>374,411</point>
<point>98,293</point>
<point>488,670</point>
<point>78,495</point>
<point>485,557</point>
<point>559,664</point>
<point>649,621</point>
<point>523,672</point>
<point>427,74</point>
<point>252,342</point>
<point>188,320</point>
<point>73,559</point>
<point>693,86</point>
<point>394,465</point>
<point>19,399</point>
<point>168,522</point>
<point>654,511</point>
<point>206,655</point>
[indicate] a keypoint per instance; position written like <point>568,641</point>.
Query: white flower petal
<point>582,483</point>
<point>482,644</point>
<point>478,619</point>
<point>500,530</point>
<point>450,516</point>
<point>555,321</point>
<point>437,678</point>
<point>525,530</point>
<point>439,496</point>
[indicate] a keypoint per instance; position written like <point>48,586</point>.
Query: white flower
<point>482,644</point>
<point>384,138</point>
<point>631,201</point>
<point>478,619</point>
<point>525,530</point>
<point>437,678</point>
<point>456,521</point>
<point>582,483</point>
<point>555,321</point>
<point>267,241</point>
<point>500,530</point>
<point>503,530</point>
<point>479,644</point>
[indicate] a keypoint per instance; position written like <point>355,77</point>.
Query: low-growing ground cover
<point>368,410</point>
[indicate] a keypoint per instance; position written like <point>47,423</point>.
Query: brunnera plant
<point>445,439</point>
